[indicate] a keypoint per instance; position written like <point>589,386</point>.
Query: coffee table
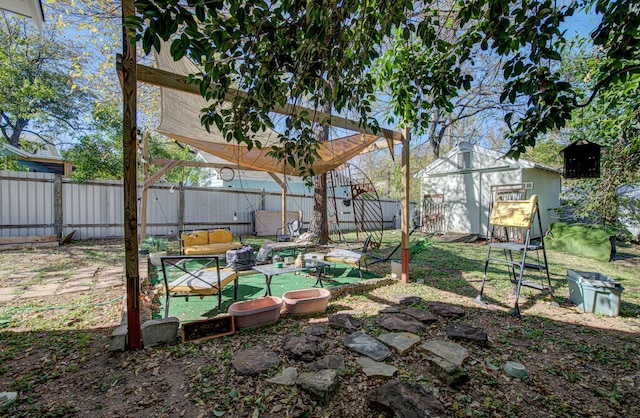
<point>270,270</point>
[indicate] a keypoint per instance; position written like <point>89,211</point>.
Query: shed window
<point>464,160</point>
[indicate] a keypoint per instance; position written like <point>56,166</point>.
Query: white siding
<point>547,186</point>
<point>467,192</point>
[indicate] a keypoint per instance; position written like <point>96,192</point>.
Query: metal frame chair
<point>290,230</point>
<point>203,280</point>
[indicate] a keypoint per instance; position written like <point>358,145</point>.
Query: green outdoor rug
<point>251,286</point>
<point>591,241</point>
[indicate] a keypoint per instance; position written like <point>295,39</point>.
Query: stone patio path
<point>17,287</point>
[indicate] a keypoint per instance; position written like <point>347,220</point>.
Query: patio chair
<point>199,275</point>
<point>513,222</point>
<point>350,257</point>
<point>289,231</point>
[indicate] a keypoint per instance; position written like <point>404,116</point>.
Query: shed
<point>465,177</point>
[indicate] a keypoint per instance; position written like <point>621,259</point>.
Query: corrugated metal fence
<point>46,204</point>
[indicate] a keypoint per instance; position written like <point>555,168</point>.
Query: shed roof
<point>507,163</point>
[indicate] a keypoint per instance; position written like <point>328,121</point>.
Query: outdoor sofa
<point>203,242</point>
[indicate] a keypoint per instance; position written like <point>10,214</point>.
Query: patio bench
<point>204,242</point>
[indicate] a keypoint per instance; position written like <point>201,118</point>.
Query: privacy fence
<point>40,204</point>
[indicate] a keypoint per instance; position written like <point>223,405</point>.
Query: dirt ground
<point>54,353</point>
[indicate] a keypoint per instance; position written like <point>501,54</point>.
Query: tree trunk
<point>320,223</point>
<point>14,140</point>
<point>435,139</point>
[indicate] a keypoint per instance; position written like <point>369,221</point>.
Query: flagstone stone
<point>402,342</point>
<point>287,377</point>
<point>365,344</point>
<point>376,369</point>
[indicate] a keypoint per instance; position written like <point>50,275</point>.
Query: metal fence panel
<point>95,209</point>
<point>26,204</point>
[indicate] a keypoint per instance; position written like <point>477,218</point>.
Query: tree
<point>97,26</point>
<point>97,155</point>
<point>276,53</point>
<point>35,84</point>
<point>285,51</point>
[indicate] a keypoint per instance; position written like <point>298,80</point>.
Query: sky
<point>581,23</point>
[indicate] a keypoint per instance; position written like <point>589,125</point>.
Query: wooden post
<point>145,187</point>
<point>405,204</point>
<point>129,160</point>
<point>57,192</point>
<point>284,200</point>
<point>180,209</point>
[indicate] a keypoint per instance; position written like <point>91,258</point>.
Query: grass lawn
<point>54,350</point>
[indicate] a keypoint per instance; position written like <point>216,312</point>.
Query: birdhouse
<point>581,160</point>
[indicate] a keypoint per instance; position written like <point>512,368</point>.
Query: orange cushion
<point>219,235</point>
<point>195,238</point>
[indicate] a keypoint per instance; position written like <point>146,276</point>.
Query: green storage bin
<point>594,293</point>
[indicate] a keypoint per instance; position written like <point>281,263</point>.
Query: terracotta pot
<point>306,301</point>
<point>256,312</point>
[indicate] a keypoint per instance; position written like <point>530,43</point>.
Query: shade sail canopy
<point>28,8</point>
<point>180,120</point>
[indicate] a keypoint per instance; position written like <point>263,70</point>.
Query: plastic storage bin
<point>594,293</point>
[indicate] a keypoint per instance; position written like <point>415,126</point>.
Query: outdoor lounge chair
<point>201,276</point>
<point>350,257</point>
<point>303,242</point>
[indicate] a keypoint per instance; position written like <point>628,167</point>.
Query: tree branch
<point>603,82</point>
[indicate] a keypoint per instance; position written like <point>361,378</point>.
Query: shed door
<point>433,213</point>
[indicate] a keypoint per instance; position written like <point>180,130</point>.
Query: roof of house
<point>28,8</point>
<point>44,160</point>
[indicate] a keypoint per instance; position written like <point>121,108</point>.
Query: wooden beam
<point>28,239</point>
<point>277,179</point>
<point>204,164</point>
<point>145,190</point>
<point>284,203</point>
<point>180,210</point>
<point>129,159</point>
<point>164,170</point>
<point>174,81</point>
<point>405,205</point>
